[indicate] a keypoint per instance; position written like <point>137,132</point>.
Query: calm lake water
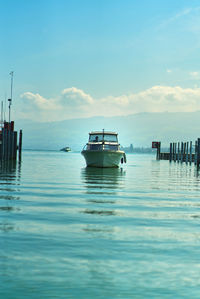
<point>67,231</point>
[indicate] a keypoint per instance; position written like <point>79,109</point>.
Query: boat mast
<point>10,100</point>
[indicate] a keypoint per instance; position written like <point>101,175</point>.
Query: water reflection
<point>101,213</point>
<point>102,187</point>
<point>173,176</point>
<point>6,227</point>
<point>102,180</point>
<point>9,166</point>
<point>10,172</point>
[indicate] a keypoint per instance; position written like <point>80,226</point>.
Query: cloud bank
<point>75,103</point>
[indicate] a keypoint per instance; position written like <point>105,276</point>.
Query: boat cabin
<point>103,141</point>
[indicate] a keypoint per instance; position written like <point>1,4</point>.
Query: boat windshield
<point>101,137</point>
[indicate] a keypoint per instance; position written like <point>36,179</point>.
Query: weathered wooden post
<point>8,144</point>
<point>20,144</point>
<point>175,152</point>
<point>186,158</point>
<point>190,152</point>
<point>5,144</point>
<point>181,152</point>
<point>198,152</point>
<point>1,145</point>
<point>12,139</point>
<point>158,150</point>
<point>157,145</point>
<point>170,152</point>
<point>15,146</point>
<point>184,151</point>
<point>0,149</point>
<point>178,158</point>
<point>195,155</point>
<point>12,145</point>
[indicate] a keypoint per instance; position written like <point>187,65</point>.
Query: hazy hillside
<point>139,129</point>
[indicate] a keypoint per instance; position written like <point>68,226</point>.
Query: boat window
<point>110,147</point>
<point>100,137</point>
<point>94,147</point>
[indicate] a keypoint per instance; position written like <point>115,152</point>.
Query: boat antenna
<point>10,100</point>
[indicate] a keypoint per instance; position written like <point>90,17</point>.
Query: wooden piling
<point>186,158</point>
<point>181,152</point>
<point>15,146</point>
<point>170,152</point>
<point>8,142</point>
<point>5,144</point>
<point>158,146</point>
<point>190,152</point>
<point>178,155</point>
<point>184,151</point>
<point>20,144</point>
<point>195,155</point>
<point>175,152</point>
<point>198,152</point>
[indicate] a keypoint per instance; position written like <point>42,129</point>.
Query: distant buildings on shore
<point>139,150</point>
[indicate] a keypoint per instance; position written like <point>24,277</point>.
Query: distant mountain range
<point>137,129</point>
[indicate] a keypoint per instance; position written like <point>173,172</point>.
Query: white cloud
<point>187,12</point>
<point>37,100</point>
<point>194,75</point>
<point>75,103</point>
<point>74,96</point>
<point>169,71</point>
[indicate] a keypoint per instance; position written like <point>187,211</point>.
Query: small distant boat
<point>103,150</point>
<point>66,149</point>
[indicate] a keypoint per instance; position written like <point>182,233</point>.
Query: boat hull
<point>102,158</point>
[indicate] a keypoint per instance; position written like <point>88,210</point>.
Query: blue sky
<point>100,57</point>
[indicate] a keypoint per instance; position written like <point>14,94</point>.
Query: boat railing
<point>84,148</point>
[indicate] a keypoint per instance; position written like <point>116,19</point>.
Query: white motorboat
<point>103,150</point>
<point>66,149</point>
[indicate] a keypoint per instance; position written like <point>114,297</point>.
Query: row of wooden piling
<point>181,152</point>
<point>8,143</point>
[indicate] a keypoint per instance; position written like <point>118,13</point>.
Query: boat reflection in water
<point>103,180</point>
<point>103,186</point>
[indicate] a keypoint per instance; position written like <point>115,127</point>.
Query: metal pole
<point>10,100</point>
